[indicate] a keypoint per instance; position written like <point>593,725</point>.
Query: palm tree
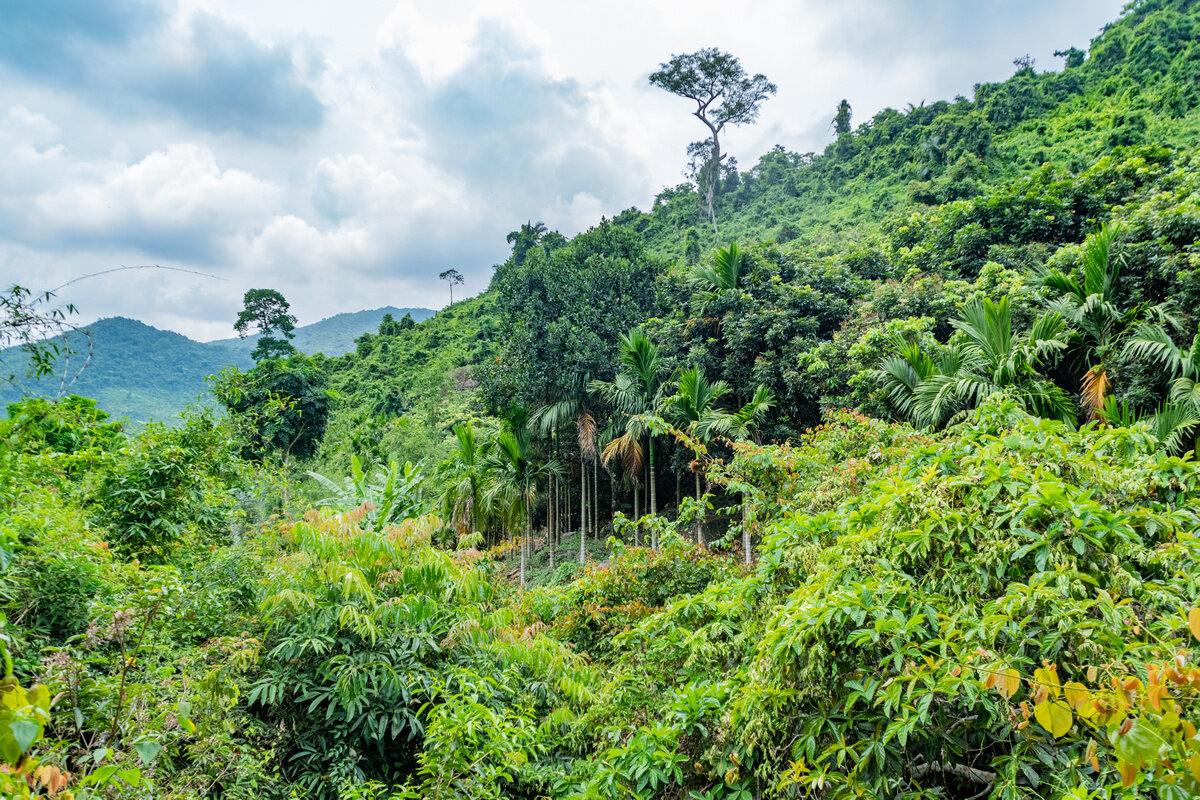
<point>574,409</point>
<point>517,472</point>
<point>742,425</point>
<point>987,358</point>
<point>1179,416</point>
<point>462,477</point>
<point>636,391</point>
<point>724,275</point>
<point>694,409</point>
<point>1090,306</point>
<point>1169,425</point>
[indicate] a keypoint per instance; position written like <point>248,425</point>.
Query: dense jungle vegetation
<point>887,492</point>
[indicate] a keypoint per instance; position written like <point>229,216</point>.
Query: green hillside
<point>143,373</point>
<point>893,227</point>
<point>334,336</point>
<point>1137,84</point>
<point>892,494</point>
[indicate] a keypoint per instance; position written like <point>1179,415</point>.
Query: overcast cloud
<point>345,153</point>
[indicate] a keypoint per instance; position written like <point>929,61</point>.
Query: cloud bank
<point>345,156</point>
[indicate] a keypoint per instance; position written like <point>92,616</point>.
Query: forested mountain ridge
<point>143,373</point>
<point>1137,84</point>
<point>905,511</point>
<point>897,224</point>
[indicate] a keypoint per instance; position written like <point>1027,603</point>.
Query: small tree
<point>452,277</point>
<point>841,120</point>
<point>724,95</point>
<point>266,312</point>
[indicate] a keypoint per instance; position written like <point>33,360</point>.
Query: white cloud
<point>345,154</point>
<point>181,190</point>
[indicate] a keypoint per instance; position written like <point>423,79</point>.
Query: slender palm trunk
<point>746,528</point>
<point>700,518</point>
<point>653,481</point>
<point>595,496</point>
<point>524,543</point>
<point>550,518</point>
<point>637,529</point>
<point>612,495</point>
<point>583,512</point>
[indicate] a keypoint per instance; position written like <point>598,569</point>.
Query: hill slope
<point>141,372</point>
<point>334,336</point>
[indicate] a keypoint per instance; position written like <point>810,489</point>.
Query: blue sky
<point>345,153</point>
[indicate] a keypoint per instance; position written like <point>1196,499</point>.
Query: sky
<point>346,153</point>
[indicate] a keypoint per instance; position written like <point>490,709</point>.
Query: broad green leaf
<point>1055,716</point>
<point>24,733</point>
<point>147,750</point>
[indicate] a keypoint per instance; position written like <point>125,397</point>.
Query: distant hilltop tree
<point>724,95</point>
<point>266,313</point>
<point>452,276</point>
<point>841,120</point>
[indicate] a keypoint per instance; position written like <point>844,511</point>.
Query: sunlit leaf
<point>1055,716</point>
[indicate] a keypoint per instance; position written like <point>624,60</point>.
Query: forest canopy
<point>888,492</point>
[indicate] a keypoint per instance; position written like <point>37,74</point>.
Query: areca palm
<point>516,473</point>
<point>987,358</point>
<point>725,274</point>
<point>574,409</point>
<point>1090,304</point>
<point>742,425</point>
<point>1180,415</point>
<point>462,477</point>
<point>636,391</point>
<point>694,409</point>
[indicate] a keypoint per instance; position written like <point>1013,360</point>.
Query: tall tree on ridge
<point>724,95</point>
<point>266,312</point>
<point>841,120</point>
<point>451,276</point>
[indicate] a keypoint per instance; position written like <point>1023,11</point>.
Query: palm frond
<point>1094,391</point>
<point>1100,270</point>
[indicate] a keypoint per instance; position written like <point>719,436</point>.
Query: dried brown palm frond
<point>628,449</point>
<point>1093,389</point>
<point>586,424</point>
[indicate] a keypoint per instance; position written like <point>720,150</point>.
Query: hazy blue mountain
<point>334,336</point>
<point>141,372</point>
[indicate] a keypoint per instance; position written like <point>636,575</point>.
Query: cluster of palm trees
<point>1082,317</point>
<point>496,485</point>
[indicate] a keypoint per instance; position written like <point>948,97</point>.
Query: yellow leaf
<point>1128,773</point>
<point>1194,765</point>
<point>1008,681</point>
<point>1091,755</point>
<point>1055,716</point>
<point>1077,695</point>
<point>1091,674</point>
<point>1155,695</point>
<point>1048,677</point>
<point>1194,621</point>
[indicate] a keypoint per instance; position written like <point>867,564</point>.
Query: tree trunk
<point>524,543</point>
<point>699,519</point>
<point>595,496</point>
<point>612,495</point>
<point>583,512</point>
<point>637,529</point>
<point>550,518</point>
<point>746,528</point>
<point>653,480</point>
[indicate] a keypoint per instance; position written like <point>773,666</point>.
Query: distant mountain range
<point>143,373</point>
